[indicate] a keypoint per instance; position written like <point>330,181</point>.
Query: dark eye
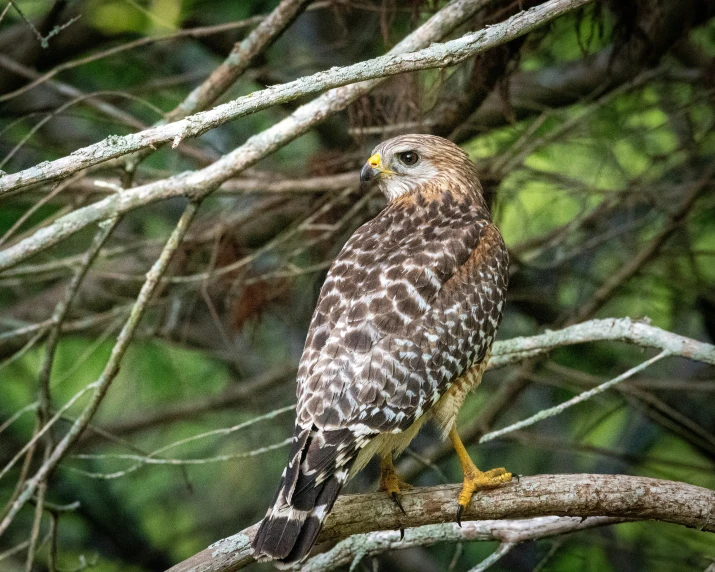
<point>409,158</point>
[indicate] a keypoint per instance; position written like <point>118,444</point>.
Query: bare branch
<point>239,59</point>
<point>586,395</point>
<point>110,370</point>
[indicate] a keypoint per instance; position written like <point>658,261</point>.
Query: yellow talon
<point>474,479</point>
<point>390,482</point>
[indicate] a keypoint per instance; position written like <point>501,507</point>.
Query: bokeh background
<point>594,140</point>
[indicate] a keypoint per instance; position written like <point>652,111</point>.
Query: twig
<point>634,265</point>
<point>70,91</point>
<point>5,11</point>
<point>224,431</point>
<point>503,549</point>
<point>240,58</point>
<point>236,394</point>
<point>553,411</point>
<point>60,313</point>
<point>142,460</point>
<point>44,40</point>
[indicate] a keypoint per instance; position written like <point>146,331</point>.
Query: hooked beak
<point>371,171</point>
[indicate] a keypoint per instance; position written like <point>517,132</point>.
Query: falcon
<point>402,331</point>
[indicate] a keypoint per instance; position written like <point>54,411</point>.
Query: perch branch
<point>582,496</point>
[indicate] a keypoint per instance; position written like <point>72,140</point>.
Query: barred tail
<point>318,469</point>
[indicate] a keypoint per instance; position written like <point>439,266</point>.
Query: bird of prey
<point>402,331</point>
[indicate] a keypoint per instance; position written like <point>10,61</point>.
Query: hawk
<point>402,331</point>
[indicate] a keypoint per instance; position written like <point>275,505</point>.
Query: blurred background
<point>594,139</point>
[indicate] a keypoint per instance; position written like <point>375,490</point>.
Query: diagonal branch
<point>623,329</point>
<point>110,370</point>
<point>239,59</point>
<point>437,55</point>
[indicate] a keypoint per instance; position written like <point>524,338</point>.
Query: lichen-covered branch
<point>511,532</point>
<point>583,496</point>
<point>196,184</point>
<point>623,329</point>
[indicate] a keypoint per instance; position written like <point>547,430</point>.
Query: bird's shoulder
<point>401,258</point>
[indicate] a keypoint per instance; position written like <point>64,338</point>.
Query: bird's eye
<point>409,158</point>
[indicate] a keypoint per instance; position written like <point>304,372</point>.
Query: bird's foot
<point>475,480</point>
<point>392,484</point>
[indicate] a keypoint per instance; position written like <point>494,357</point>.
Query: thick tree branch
<point>615,496</point>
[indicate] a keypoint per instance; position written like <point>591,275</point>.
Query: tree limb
<point>616,496</point>
<point>624,329</point>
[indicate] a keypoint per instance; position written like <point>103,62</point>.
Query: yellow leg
<point>390,482</point>
<point>474,479</point>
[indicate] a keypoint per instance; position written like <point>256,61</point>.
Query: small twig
<point>44,40</point>
<point>235,394</point>
<point>502,550</point>
<point>143,460</point>
<point>553,411</point>
<point>5,11</point>
<point>39,510</point>
<point>52,556</point>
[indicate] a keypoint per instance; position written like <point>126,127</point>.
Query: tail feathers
<point>288,534</point>
<point>305,496</point>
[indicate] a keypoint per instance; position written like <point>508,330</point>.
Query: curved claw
<point>460,510</point>
<point>396,498</point>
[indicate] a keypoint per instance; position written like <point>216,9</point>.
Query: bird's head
<point>407,163</point>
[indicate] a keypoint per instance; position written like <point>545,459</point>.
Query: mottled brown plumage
<point>402,331</point>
